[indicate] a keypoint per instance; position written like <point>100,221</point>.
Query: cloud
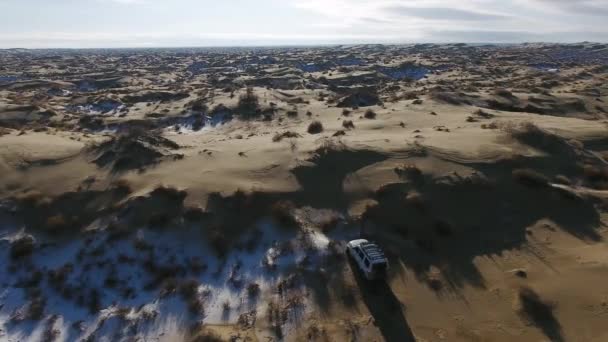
<point>470,20</point>
<point>442,13</point>
<point>585,7</point>
<point>127,2</point>
<point>235,22</point>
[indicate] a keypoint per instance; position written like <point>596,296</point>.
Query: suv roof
<point>372,251</point>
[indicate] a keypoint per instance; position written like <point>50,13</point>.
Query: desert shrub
<point>111,281</point>
<point>142,245</point>
<point>348,124</point>
<point>280,136</point>
<point>435,284</point>
<point>283,213</point>
<point>595,173</point>
<point>169,193</point>
<point>339,133</point>
<point>32,198</point>
<point>534,308</point>
<point>345,112</point>
<point>561,179</point>
<point>530,134</point>
<point>35,308</point>
<point>504,93</point>
<point>56,222</point>
<point>51,333</point>
<point>491,125</point>
<point>248,105</point>
<point>483,114</point>
<point>276,318</point>
<point>309,113</point>
<point>292,114</point>
<point>253,290</point>
<point>409,171</point>
<point>370,114</point>
<point>315,127</point>
<point>208,336</point>
<point>426,245</point>
<point>123,186</point>
<point>416,200</point>
<point>23,246</point>
<point>530,178</point>
<point>195,306</point>
<point>188,289</point>
<point>443,228</point>
<point>194,214</point>
<point>93,301</point>
<point>219,243</point>
<point>58,277</point>
<point>330,223</point>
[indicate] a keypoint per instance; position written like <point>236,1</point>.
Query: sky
<point>181,23</point>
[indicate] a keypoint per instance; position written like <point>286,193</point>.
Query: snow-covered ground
<point>194,122</point>
<point>143,285</point>
<point>105,107</point>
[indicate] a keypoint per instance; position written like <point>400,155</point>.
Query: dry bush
<point>247,320</point>
<point>248,105</point>
<point>348,124</point>
<point>595,173</point>
<point>219,243</point>
<point>276,318</point>
<point>123,186</point>
<point>56,222</point>
<point>483,114</point>
<point>330,223</point>
<point>530,134</point>
<point>208,336</point>
<point>35,308</point>
<point>345,112</point>
<point>409,171</point>
<point>57,278</point>
<point>532,307</point>
<point>491,125</point>
<point>253,290</point>
<point>188,288</point>
<point>50,332</point>
<point>443,228</point>
<point>280,136</point>
<point>292,114</point>
<point>22,247</point>
<point>530,178</point>
<point>32,198</point>
<point>194,214</point>
<point>435,283</point>
<point>283,213</point>
<point>561,179</point>
<point>315,127</point>
<point>416,200</point>
<point>370,114</point>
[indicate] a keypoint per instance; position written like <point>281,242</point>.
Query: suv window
<point>359,252</point>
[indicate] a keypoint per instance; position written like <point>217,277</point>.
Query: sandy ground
<point>165,191</point>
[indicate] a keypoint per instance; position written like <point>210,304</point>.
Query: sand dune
<point>208,195</point>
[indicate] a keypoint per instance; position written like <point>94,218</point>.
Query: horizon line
<point>298,45</point>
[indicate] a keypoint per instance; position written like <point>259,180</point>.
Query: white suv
<point>369,258</point>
